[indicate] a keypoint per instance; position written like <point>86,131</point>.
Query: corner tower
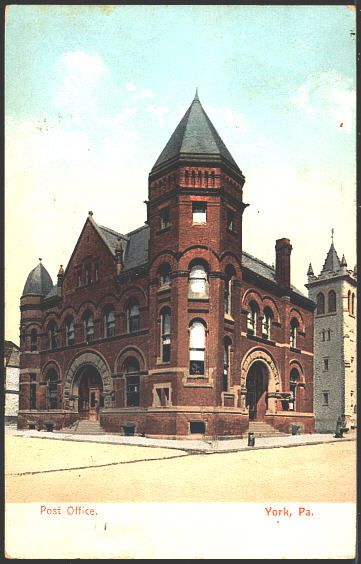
<point>334,292</point>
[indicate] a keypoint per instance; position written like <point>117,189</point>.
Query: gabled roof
<point>38,282</point>
<point>11,354</point>
<point>262,269</point>
<point>195,135</point>
<point>135,245</point>
<point>332,262</point>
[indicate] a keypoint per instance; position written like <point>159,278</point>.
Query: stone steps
<point>262,429</point>
<point>85,427</point>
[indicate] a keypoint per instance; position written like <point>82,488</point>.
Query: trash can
<point>295,429</point>
<point>32,426</point>
<point>339,428</point>
<point>49,426</point>
<point>251,439</point>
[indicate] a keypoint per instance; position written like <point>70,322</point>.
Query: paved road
<point>53,470</point>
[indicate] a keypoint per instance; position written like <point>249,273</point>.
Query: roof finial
<point>332,232</point>
<point>90,213</point>
<point>40,259</point>
<point>196,95</point>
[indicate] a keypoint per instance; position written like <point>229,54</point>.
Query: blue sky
<point>94,92</point>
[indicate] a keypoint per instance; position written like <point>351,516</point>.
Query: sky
<point>93,93</point>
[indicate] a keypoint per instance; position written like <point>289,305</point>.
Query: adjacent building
<point>172,329</point>
<point>335,384</point>
<point>11,371</point>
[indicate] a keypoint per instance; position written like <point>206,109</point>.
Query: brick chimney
<point>283,263</point>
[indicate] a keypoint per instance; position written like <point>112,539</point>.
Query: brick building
<point>335,337</point>
<point>11,384</point>
<point>171,330</point>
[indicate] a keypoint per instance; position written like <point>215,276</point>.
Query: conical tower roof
<point>38,282</point>
<point>332,262</point>
<point>195,135</point>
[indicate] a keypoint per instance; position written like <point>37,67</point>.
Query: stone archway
<point>87,360</point>
<point>273,380</point>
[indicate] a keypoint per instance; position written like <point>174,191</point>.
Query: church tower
<point>334,292</point>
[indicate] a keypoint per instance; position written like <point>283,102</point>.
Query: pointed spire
<point>332,262</point>
<point>196,98</point>
<point>40,259</point>
<point>310,271</point>
<point>343,261</point>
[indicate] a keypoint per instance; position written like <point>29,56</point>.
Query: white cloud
<point>130,87</point>
<point>144,94</point>
<point>158,111</point>
<point>330,95</point>
<point>80,77</point>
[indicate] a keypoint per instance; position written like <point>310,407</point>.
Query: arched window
<point>109,322</point>
<point>228,290</point>
<point>320,301</point>
<point>212,179</point>
<point>69,331</point>
<point>293,333</point>
<point>132,382</point>
<point>88,326</point>
<point>353,304</point>
<point>294,380</point>
<point>52,332</point>
<point>266,323</point>
<point>52,389</point>
<point>165,335</point>
<point>199,178</point>
<point>133,316</point>
<point>164,274</point>
<point>226,364</point>
<point>252,318</point>
<point>193,178</point>
<point>198,281</point>
<point>197,347</point>
<point>331,301</point>
<point>33,340</point>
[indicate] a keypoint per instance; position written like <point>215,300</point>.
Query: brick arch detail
<point>298,366</point>
<point>252,295</point>
<point>127,352</point>
<point>51,364</point>
<point>91,358</point>
<point>259,355</point>
<point>294,313</point>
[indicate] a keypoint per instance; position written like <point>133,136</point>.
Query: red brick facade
<point>124,348</point>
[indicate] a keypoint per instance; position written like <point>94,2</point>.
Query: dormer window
<point>164,218</point>
<point>199,211</point>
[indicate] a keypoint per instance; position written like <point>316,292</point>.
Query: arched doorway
<point>257,387</point>
<point>90,396</point>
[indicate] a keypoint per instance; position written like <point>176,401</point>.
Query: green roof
<point>195,135</point>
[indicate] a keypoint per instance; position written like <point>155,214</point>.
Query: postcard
<point>180,281</point>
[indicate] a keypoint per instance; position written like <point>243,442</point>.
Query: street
<point>45,470</point>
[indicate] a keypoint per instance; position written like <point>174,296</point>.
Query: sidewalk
<point>206,446</point>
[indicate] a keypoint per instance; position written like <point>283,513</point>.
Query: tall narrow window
<point>320,302</point>
<point>70,332</point>
<point>109,322</point>
<point>164,218</point>
<point>197,347</point>
<point>226,364</point>
<point>186,177</point>
<point>199,211</point>
<point>133,317</point>
<point>193,178</point>
<point>165,329</point>
<point>198,281</point>
<point>87,271</point>
<point>325,396</point>
<point>52,382</point>
<point>206,178</point>
<point>293,333</point>
<point>331,301</point>
<point>323,333</point>
<point>349,301</point>
<point>213,182</point>
<point>228,290</point>
<point>132,382</point>
<point>353,304</point>
<point>34,340</point>
<point>252,319</point>
<point>230,220</point>
<point>52,331</point>
<point>32,391</point>
<point>199,178</point>
<point>294,378</point>
<point>266,323</point>
<point>96,272</point>
<point>88,326</point>
<point>164,274</point>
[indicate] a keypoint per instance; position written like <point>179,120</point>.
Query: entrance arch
<point>257,388</point>
<point>88,374</point>
<point>267,381</point>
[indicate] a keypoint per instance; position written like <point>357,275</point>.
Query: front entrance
<point>257,387</point>
<point>90,394</point>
